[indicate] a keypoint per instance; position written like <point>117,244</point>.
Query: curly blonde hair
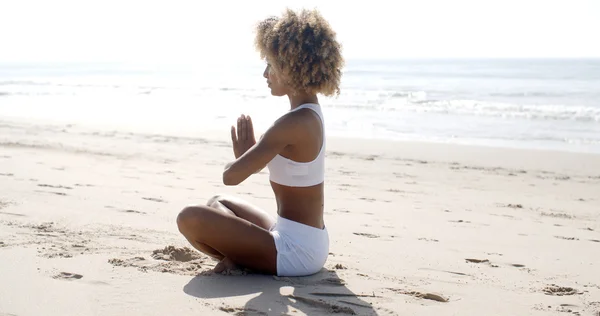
<point>302,49</point>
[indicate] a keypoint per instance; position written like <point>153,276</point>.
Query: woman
<point>303,60</point>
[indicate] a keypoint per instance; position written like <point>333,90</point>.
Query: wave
<point>479,108</point>
<point>354,99</point>
<point>507,110</point>
<point>24,82</point>
<point>536,94</point>
<point>37,88</point>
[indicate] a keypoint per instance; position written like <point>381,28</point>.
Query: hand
<point>243,139</point>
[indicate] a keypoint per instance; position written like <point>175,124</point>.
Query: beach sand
<point>87,227</point>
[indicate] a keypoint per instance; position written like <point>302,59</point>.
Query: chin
<point>277,94</point>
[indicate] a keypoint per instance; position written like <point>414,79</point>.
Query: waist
<point>299,230</point>
<point>310,218</point>
<point>302,205</point>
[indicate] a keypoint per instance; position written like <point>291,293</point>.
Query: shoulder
<point>298,121</point>
<point>284,130</point>
<point>292,127</point>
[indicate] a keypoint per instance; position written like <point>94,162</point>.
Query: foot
<point>225,266</point>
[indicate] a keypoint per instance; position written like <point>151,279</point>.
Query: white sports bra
<point>291,173</point>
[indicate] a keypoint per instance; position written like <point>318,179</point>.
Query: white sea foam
<point>554,104</point>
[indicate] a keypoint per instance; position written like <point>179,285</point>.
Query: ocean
<point>533,103</point>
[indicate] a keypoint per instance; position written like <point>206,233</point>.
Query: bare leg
<point>192,222</point>
<point>242,209</point>
<point>232,237</point>
<point>200,246</point>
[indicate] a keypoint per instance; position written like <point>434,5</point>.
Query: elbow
<point>229,179</point>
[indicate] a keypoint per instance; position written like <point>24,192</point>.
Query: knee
<point>189,219</point>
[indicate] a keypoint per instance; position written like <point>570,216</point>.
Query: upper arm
<point>258,156</point>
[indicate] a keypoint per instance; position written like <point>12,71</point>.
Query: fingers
<point>239,128</point>
<point>250,129</point>
<point>233,135</point>
<point>244,128</point>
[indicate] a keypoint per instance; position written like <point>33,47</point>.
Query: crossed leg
<point>231,230</point>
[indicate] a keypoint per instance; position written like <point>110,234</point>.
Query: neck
<point>302,98</point>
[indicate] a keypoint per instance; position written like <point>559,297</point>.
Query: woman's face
<point>275,83</point>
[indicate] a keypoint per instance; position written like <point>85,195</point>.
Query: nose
<point>266,72</point>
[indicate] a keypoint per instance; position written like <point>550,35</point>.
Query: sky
<point>212,32</point>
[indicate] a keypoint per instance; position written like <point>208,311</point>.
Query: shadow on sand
<point>321,294</point>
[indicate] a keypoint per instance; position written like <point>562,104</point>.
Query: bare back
<point>303,204</point>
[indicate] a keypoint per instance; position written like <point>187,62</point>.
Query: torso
<point>303,204</point>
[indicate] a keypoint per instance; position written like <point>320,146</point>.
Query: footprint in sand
<point>367,235</point>
<point>51,192</point>
<point>478,260</point>
<point>486,261</point>
<point>68,276</point>
<point>557,215</point>
<point>54,186</point>
<point>514,205</point>
<point>7,174</point>
<point>556,290</point>
<point>427,296</point>
<point>154,199</point>
<point>132,211</point>
<point>594,240</point>
<point>446,271</point>
<point>566,238</point>
<point>396,191</point>
<point>339,266</point>
<point>341,210</point>
<point>241,311</point>
<point>568,308</point>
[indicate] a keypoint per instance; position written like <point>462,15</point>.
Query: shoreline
<point>333,141</point>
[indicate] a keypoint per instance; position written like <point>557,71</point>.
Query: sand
<point>87,227</point>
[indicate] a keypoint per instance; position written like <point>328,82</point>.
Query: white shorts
<point>301,249</point>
